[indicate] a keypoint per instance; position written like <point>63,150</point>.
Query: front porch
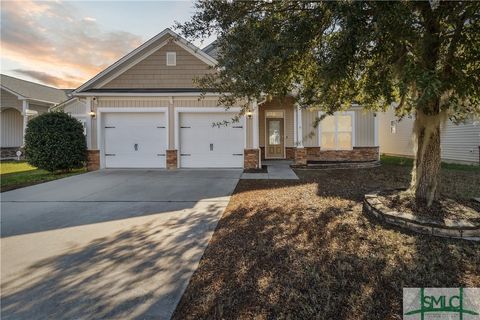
<point>279,129</point>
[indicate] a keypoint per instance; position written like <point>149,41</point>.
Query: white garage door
<point>135,140</point>
<point>205,146</point>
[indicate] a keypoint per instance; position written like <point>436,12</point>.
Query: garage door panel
<point>135,140</point>
<point>203,145</point>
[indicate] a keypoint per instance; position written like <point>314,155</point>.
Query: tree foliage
<point>423,56</point>
<point>55,141</point>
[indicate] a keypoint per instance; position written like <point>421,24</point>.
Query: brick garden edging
<point>459,229</point>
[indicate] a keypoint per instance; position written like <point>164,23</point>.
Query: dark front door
<point>275,141</point>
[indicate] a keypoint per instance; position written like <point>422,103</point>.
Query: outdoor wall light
<point>249,114</point>
<point>92,114</point>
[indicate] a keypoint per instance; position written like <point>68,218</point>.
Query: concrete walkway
<point>111,244</point>
<point>277,169</point>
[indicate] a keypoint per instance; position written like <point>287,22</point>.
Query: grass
<point>18,174</point>
<point>304,250</point>
<point>408,162</point>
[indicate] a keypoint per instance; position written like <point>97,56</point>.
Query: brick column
<point>172,159</point>
<point>251,158</point>
<point>300,157</point>
<point>93,160</point>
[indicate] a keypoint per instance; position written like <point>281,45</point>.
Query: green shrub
<point>55,141</point>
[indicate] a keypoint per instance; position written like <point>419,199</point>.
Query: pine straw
<point>302,250</point>
<point>441,210</point>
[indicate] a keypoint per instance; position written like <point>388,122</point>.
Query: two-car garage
<point>141,139</point>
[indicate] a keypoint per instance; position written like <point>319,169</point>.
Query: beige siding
<point>39,108</point>
<point>75,107</point>
<point>12,128</point>
<point>401,142</point>
<point>310,133</point>
<point>146,102</point>
<point>364,128</point>
<point>459,143</point>
<point>278,104</point>
<point>152,72</point>
<point>249,133</point>
<point>9,100</point>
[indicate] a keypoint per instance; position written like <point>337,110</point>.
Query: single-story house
<point>144,111</point>
<point>460,143</point>
<point>20,101</point>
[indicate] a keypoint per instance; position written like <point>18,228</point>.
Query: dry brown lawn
<point>303,249</point>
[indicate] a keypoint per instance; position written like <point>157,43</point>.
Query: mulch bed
<point>441,209</point>
<point>303,250</point>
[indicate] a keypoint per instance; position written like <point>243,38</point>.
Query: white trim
<point>173,56</point>
<point>255,125</point>
<point>137,94</point>
<point>284,131</point>
<point>191,48</point>
<point>88,122</point>
<point>25,118</point>
<point>100,138</point>
<point>295,140</point>
<point>375,129</point>
<point>319,129</point>
<point>298,111</point>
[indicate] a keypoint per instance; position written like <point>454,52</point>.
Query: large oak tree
<point>424,57</point>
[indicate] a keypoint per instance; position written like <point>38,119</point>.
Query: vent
<point>171,59</point>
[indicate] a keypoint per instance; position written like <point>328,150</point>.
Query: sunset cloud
<point>54,46</point>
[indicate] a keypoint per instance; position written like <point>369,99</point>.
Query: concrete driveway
<point>112,244</point>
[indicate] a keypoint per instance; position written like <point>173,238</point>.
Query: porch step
<point>342,165</point>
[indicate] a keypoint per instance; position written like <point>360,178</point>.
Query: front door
<point>275,141</point>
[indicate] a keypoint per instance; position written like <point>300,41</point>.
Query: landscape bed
<point>304,249</point>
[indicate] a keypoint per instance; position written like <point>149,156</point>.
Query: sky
<point>65,43</point>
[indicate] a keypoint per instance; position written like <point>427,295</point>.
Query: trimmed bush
<point>55,141</point>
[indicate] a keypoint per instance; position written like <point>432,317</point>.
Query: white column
<point>88,122</point>
<point>255,126</point>
<point>375,129</point>
<point>25,118</point>
<point>299,127</point>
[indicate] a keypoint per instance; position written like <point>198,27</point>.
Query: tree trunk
<point>426,169</point>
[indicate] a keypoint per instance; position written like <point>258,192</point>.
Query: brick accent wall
<point>357,154</point>
<point>251,158</point>
<point>93,160</point>
<point>300,156</point>
<point>290,153</point>
<point>172,159</point>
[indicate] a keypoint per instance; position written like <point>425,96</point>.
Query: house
<point>144,111</point>
<point>459,143</point>
<point>20,101</point>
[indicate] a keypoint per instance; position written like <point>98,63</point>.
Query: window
<point>171,59</point>
<point>336,131</point>
<point>393,126</point>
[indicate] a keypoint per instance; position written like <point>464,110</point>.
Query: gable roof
<point>33,91</point>
<point>143,52</point>
<point>211,49</point>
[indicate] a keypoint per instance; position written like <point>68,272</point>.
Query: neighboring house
<point>144,111</point>
<point>459,143</point>
<point>20,101</point>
